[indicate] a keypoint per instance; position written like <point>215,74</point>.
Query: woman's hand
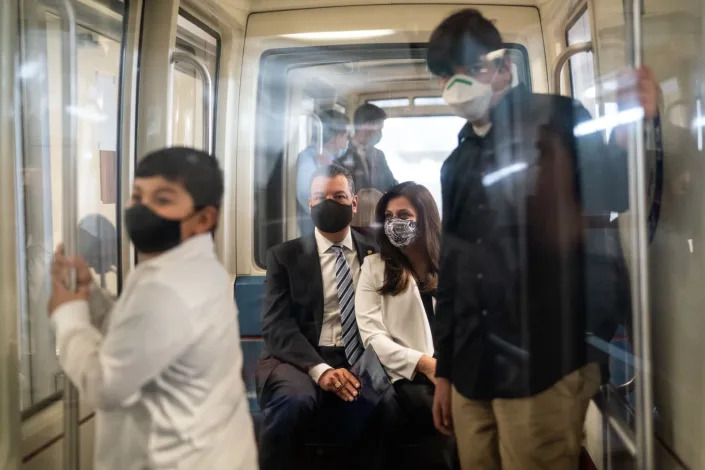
<point>427,366</point>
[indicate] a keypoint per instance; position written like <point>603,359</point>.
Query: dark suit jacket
<point>530,263</point>
<point>292,313</point>
<point>379,177</point>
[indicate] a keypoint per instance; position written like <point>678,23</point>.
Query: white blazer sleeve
<point>370,322</point>
<point>112,368</point>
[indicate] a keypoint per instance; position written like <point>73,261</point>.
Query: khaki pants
<point>541,432</point>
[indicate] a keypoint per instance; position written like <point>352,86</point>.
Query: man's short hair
<point>460,40</point>
<point>331,171</point>
<point>197,171</point>
<point>334,123</point>
<point>368,113</point>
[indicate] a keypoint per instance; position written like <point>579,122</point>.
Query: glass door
<point>69,75</point>
<point>675,226</point>
<point>603,49</point>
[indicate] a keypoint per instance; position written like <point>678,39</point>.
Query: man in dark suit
<point>366,162</point>
<point>308,322</point>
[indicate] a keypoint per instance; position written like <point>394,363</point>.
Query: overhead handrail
<point>562,59</point>
<point>208,92</point>
<point>69,180</point>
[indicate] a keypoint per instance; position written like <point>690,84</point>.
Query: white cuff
<point>409,370</point>
<point>316,372</point>
<point>70,316</point>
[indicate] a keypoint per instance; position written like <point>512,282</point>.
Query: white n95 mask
<point>467,97</point>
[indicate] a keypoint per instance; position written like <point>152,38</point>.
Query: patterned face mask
<point>401,232</point>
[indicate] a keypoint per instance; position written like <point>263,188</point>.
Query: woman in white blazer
<point>394,308</point>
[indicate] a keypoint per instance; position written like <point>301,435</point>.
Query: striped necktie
<point>346,298</point>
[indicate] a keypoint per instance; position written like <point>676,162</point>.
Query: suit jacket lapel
<point>361,246</point>
<point>310,264</point>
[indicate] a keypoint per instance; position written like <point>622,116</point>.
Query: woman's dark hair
<point>460,40</point>
<point>397,266</point>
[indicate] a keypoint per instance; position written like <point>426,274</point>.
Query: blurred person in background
<point>364,160</point>
<point>335,143</point>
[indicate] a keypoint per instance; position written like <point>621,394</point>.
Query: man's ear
<point>354,204</point>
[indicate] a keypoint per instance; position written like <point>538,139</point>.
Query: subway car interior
<point>88,87</point>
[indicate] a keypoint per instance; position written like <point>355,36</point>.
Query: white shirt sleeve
<point>142,341</point>
<point>100,303</point>
<point>316,372</point>
<point>368,313</point>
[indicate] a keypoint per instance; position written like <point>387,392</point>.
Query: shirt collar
<point>200,245</point>
<point>324,244</point>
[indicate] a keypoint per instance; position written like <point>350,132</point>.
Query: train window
<point>44,110</point>
<point>416,147</point>
<point>194,72</point>
<point>296,83</point>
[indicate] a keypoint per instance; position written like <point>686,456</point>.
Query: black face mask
<point>330,216</point>
<point>149,232</point>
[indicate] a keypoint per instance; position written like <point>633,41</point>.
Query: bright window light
<point>417,146</point>
<point>429,101</point>
<point>332,35</point>
<point>391,103</point>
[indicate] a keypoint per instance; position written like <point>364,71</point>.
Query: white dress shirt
<point>332,328</point>
<point>163,366</point>
<point>395,325</point>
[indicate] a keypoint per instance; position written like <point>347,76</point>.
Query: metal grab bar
<point>562,59</point>
<point>69,179</point>
<point>319,131</point>
<point>208,92</point>
<point>640,257</point>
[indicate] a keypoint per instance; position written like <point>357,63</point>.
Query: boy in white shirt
<point>163,364</point>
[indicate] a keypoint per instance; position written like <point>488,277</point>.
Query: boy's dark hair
<point>331,171</point>
<point>368,113</point>
<point>460,40</point>
<point>334,123</point>
<point>196,170</point>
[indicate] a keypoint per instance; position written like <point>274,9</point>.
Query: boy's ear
<point>208,218</point>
